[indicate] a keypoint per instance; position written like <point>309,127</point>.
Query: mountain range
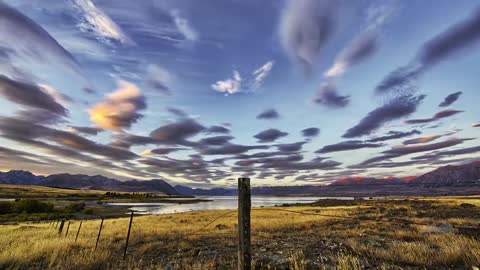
<point>81,181</point>
<point>447,180</point>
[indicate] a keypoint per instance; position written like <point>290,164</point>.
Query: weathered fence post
<point>60,229</point>
<point>244,204</point>
<point>68,227</point>
<point>78,232</point>
<point>99,232</point>
<point>128,236</point>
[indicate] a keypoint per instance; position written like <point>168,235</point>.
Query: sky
<point>286,92</point>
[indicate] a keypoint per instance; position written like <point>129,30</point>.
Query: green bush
<point>5,208</point>
<point>74,207</point>
<point>32,206</point>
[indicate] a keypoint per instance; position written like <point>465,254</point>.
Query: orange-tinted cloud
<point>119,109</point>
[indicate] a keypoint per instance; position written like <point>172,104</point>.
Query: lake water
<point>217,202</point>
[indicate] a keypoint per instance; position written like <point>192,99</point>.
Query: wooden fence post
<point>78,232</point>
<point>99,232</point>
<point>244,205</point>
<point>128,236</point>
<point>60,229</point>
<point>68,227</point>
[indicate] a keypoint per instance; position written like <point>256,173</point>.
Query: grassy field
<point>423,233</point>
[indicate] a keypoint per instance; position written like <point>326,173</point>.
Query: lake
<point>217,202</point>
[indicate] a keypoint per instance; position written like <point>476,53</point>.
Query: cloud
<point>177,132</point>
<point>328,96</point>
<point>94,20</point>
<point>126,140</point>
<point>409,149</point>
<point>310,132</point>
<point>391,135</point>
<point>66,142</point>
<point>456,38</point>
<point>159,79</point>
<point>34,43</point>
<point>216,140</point>
<point>183,26</point>
<point>453,40</point>
<point>248,84</point>
<point>450,99</point>
<point>462,151</point>
<point>270,135</point>
<point>423,139</point>
<point>177,112</point>
<point>290,147</point>
<point>260,74</point>
<point>398,79</point>
<point>347,146</point>
<point>361,48</point>
<point>305,27</point>
<point>119,109</point>
<point>396,108</point>
<point>229,86</point>
<point>230,149</point>
<point>40,116</point>
<point>30,95</point>
<point>437,116</point>
<point>87,130</point>
<point>163,151</point>
<point>269,114</point>
<point>217,129</point>
<point>287,164</point>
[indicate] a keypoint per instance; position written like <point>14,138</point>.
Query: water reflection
<point>217,202</point>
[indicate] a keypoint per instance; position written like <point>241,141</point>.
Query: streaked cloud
<point>437,116</point>
<point>394,109</point>
<point>450,99</point>
<point>95,20</point>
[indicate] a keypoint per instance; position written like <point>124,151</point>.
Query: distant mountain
<point>369,181</point>
<point>185,190</point>
<point>447,180</point>
<point>82,181</point>
<point>18,177</point>
<point>78,181</point>
<point>461,175</point>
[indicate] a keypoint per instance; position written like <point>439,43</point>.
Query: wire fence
<point>73,228</point>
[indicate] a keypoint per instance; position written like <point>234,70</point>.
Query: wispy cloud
<point>305,27</point>
<point>95,20</point>
<point>248,84</point>
<point>159,79</point>
<point>33,45</point>
<point>183,26</point>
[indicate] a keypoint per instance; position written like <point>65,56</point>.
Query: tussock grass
<point>280,240</point>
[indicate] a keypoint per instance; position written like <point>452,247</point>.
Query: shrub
<point>5,208</point>
<point>75,207</point>
<point>32,206</point>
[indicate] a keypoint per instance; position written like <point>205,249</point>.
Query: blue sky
<point>203,92</point>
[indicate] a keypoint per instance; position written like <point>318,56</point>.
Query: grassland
<point>423,233</point>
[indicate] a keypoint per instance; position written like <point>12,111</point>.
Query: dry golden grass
<point>280,239</point>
